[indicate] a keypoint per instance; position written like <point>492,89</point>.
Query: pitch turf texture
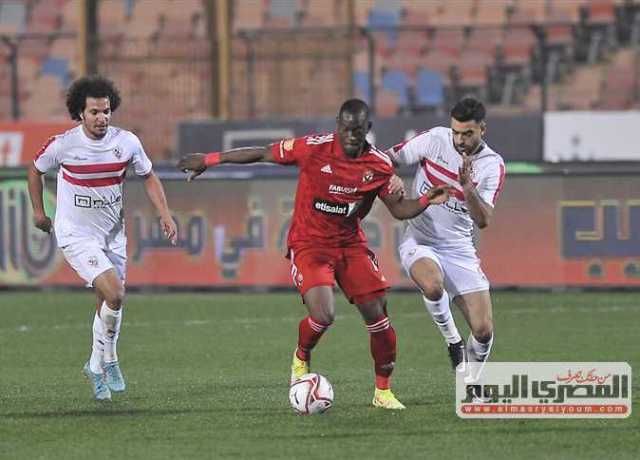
<point>207,378</point>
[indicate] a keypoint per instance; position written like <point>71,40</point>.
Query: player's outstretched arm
<point>197,163</point>
<point>402,208</point>
<point>155,192</point>
<point>35,180</point>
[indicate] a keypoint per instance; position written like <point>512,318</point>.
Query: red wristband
<point>212,159</point>
<point>424,200</point>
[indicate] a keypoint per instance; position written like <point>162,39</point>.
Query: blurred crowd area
<point>301,58</point>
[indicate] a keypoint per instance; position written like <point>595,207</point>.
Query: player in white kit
<point>89,224</point>
<point>437,249</point>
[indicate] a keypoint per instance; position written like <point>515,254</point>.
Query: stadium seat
<point>361,85</point>
<point>13,18</point>
<point>396,81</point>
<point>429,89</point>
<point>386,103</point>
<point>57,67</point>
<point>490,13</point>
<point>600,12</point>
<point>385,20</point>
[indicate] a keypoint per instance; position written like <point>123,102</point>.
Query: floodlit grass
<point>207,377</point>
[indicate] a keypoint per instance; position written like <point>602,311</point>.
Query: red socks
<point>382,338</point>
<point>309,332</point>
<point>383,349</point>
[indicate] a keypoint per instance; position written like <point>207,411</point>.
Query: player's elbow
<point>482,222</point>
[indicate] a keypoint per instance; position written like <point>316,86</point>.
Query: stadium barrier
<point>548,231</point>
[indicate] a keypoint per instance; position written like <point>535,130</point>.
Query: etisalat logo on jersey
<point>338,209</point>
<point>544,390</point>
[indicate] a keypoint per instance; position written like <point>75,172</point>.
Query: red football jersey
<point>335,192</point>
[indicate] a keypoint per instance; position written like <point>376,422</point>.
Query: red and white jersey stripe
<point>90,180</point>
<point>448,225</point>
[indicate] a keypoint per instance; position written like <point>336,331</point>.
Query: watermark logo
<point>544,390</point>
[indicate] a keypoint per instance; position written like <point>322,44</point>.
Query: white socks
<point>440,312</point>
<point>111,321</point>
<point>97,349</point>
<point>478,351</point>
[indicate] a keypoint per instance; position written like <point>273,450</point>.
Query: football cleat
<point>386,400</point>
<point>458,356</point>
<point>100,389</point>
<point>298,368</point>
<point>113,377</point>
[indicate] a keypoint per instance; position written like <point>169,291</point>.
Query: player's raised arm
<point>402,208</point>
<point>197,163</point>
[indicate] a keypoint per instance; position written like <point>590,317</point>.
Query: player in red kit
<point>341,175</point>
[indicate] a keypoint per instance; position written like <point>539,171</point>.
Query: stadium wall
<point>548,231</point>
<point>516,137</point>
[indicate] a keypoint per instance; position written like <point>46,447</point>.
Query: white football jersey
<point>90,181</point>
<point>448,225</point>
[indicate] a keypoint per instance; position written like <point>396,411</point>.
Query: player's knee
<point>433,291</point>
<point>115,298</point>
<point>325,318</point>
<point>483,331</point>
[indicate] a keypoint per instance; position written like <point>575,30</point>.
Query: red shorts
<point>355,269</point>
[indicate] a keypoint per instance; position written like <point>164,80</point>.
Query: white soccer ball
<point>311,394</point>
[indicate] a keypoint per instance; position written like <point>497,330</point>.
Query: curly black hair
<point>92,86</point>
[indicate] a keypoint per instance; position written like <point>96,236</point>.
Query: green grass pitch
<point>207,377</point>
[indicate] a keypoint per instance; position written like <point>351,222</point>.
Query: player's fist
<point>169,228</point>
<point>42,222</point>
<point>193,164</point>
<point>465,173</point>
<point>396,185</point>
<point>439,194</point>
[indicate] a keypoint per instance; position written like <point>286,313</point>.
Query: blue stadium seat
<point>58,67</point>
<point>429,89</point>
<point>386,20</point>
<point>397,81</point>
<point>361,85</point>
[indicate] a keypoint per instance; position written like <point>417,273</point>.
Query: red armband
<point>212,159</point>
<point>424,200</point>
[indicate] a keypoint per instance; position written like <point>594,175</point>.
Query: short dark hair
<point>354,106</point>
<point>95,86</point>
<point>467,109</point>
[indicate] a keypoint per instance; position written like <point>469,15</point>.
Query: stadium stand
<point>425,54</point>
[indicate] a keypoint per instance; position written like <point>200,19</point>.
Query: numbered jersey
<point>90,181</point>
<point>335,192</point>
<point>448,225</point>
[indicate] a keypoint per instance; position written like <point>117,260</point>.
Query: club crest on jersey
<point>117,152</point>
<point>287,144</point>
<point>367,176</point>
<point>441,159</point>
<point>93,261</point>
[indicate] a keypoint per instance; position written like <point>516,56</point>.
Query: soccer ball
<point>311,394</point>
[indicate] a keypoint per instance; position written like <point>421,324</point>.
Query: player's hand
<point>465,173</point>
<point>42,222</point>
<point>170,229</point>
<point>193,162</point>
<point>396,185</point>
<point>439,194</point>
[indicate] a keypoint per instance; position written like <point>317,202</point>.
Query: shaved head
<point>354,109</point>
<point>353,125</point>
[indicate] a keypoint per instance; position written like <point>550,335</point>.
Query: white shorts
<point>90,259</point>
<point>460,267</point>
